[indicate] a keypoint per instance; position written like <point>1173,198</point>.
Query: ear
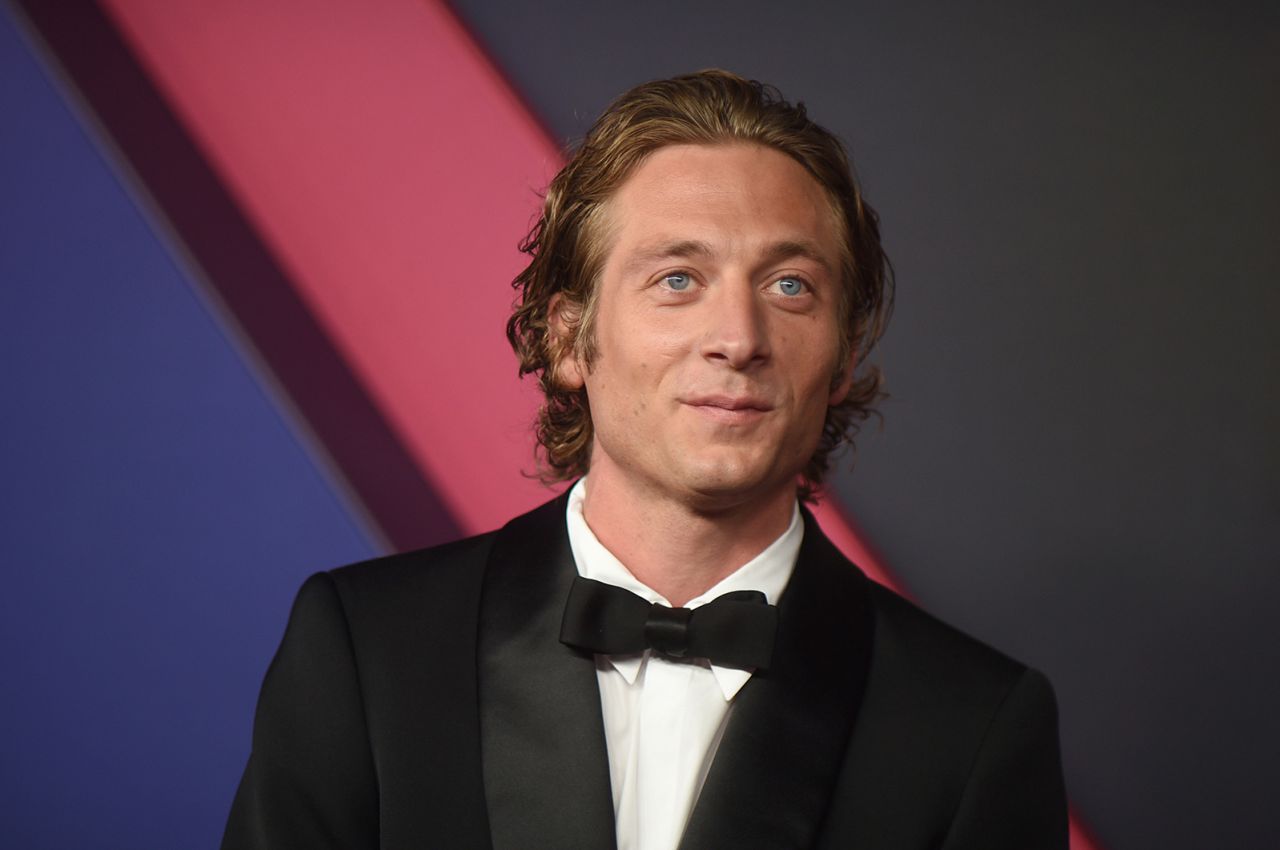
<point>563,317</point>
<point>841,389</point>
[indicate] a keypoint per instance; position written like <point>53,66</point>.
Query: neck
<point>681,550</point>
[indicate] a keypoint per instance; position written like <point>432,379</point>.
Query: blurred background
<point>254,265</point>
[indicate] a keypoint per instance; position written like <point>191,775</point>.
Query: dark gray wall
<point>1079,463</point>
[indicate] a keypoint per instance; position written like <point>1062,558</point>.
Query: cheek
<point>813,352</point>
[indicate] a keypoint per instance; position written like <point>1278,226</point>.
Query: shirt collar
<point>767,572</point>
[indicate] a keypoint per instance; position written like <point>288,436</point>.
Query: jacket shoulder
<point>948,659</point>
<point>449,572</point>
<point>441,569</point>
<point>361,710</point>
<point>397,607</point>
<point>953,739</point>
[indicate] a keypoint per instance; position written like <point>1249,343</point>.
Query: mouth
<point>729,409</point>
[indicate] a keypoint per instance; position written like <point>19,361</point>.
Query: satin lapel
<point>546,769</point>
<point>773,774</point>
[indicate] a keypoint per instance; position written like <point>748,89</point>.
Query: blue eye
<point>678,282</point>
<point>790,285</point>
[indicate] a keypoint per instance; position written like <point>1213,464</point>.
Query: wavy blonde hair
<point>567,248</point>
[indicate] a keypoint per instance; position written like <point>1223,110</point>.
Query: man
<point>611,669</point>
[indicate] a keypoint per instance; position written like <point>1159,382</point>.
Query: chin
<point>725,485</point>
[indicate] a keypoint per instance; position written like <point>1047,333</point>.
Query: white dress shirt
<point>663,717</point>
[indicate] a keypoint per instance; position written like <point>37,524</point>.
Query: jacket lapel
<point>772,777</point>
<point>546,769</point>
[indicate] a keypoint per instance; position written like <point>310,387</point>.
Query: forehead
<point>735,196</point>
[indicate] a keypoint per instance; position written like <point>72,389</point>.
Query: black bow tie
<point>733,630</point>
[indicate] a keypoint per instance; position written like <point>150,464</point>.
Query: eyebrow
<point>667,251</point>
<point>805,248</point>
<point>783,250</point>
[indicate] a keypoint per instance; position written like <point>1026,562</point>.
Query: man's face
<point>716,328</point>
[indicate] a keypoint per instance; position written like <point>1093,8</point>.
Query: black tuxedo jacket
<point>424,701</point>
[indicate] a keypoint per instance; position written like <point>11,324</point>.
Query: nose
<point>736,333</point>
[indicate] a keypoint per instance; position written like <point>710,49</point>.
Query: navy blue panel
<point>156,510</point>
